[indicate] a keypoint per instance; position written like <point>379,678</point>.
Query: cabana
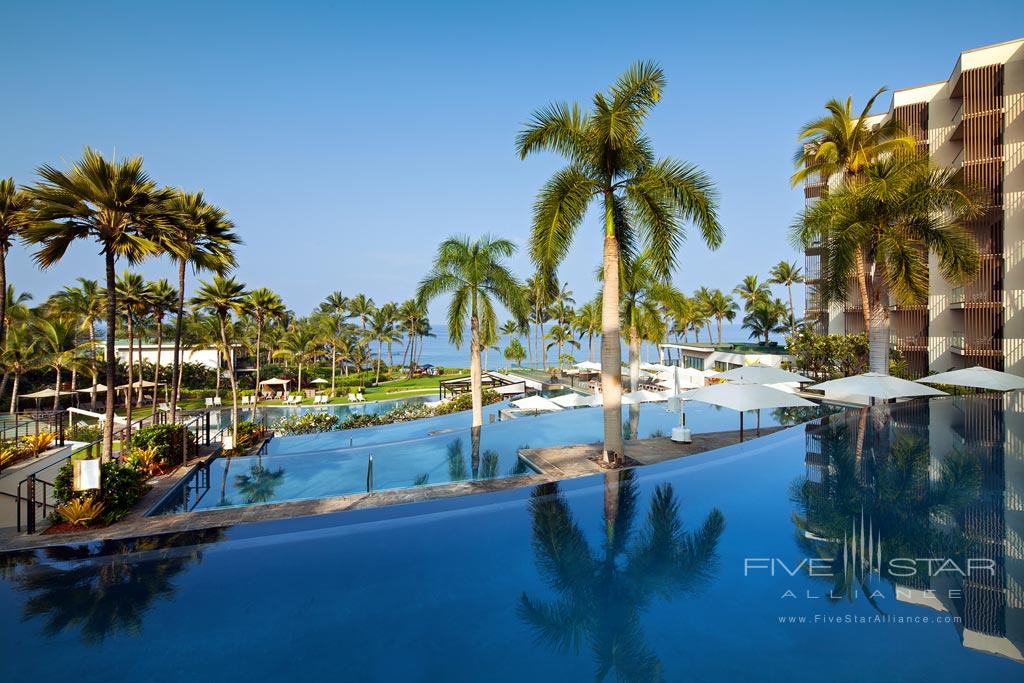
<point>275,382</point>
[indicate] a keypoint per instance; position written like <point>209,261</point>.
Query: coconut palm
<point>719,306</point>
<point>559,337</point>
<point>222,297</point>
<point>644,200</point>
<point>200,236</point>
<point>15,216</point>
<point>476,277</point>
<point>766,318</point>
<point>540,290</point>
<point>752,291</point>
<point>362,307</point>
<point>602,592</point>
<point>382,330</point>
<point>114,203</point>
<point>259,485</point>
<point>899,211</point>
<point>301,344</point>
<point>334,309</point>
<point>86,304</point>
<point>21,353</point>
<point>515,352</point>
<point>841,144</point>
<point>787,274</point>
<point>132,300</point>
<point>57,343</point>
<point>587,323</point>
<point>684,312</point>
<point>162,299</point>
<point>263,305</point>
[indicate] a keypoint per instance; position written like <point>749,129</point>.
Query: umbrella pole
<point>741,425</point>
<point>759,422</point>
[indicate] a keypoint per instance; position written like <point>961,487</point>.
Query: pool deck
<point>555,463</point>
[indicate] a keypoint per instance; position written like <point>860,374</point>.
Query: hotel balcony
<point>975,345</point>
<point>909,342</point>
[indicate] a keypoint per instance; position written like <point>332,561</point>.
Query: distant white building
<point>206,357</point>
<point>721,357</point>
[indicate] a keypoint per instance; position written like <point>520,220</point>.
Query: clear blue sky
<point>347,139</point>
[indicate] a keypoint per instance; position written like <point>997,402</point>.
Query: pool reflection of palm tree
<point>100,589</point>
<point>483,466</point>
<point>259,485</point>
<point>891,497</point>
<point>604,592</point>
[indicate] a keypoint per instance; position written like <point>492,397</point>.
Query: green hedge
<point>166,439</point>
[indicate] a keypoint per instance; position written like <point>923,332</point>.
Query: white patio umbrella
<point>761,374</point>
<point>744,396</point>
<point>536,403</point>
<point>588,365</point>
<point>573,400</point>
<point>44,393</point>
<point>100,388</point>
<point>681,377</point>
<point>876,385</point>
<point>643,396</point>
<point>977,378</point>
<point>318,380</point>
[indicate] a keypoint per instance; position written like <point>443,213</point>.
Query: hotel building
<point>973,122</point>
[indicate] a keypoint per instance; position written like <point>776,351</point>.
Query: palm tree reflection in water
<point>103,589</point>
<point>604,592</point>
<point>259,485</point>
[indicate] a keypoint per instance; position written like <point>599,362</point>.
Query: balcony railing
<point>958,340</point>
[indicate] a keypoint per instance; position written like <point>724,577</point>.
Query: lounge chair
<point>360,397</point>
<point>351,398</point>
<point>209,402</point>
<point>217,401</point>
<point>164,407</point>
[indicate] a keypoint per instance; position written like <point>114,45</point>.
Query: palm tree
<point>259,485</point>
<point>162,299</point>
<point>201,236</point>
<point>841,144</point>
<point>560,336</point>
<point>382,330</point>
<point>720,306</point>
<point>362,307</point>
<point>899,211</point>
<point>684,311</point>
<point>222,297</point>
<point>133,300</point>
<point>19,355</point>
<point>475,276</point>
<point>645,199</point>
<point>411,314</point>
<point>765,318</point>
<point>86,304</point>
<point>299,343</point>
<point>57,342</point>
<point>113,203</point>
<point>263,305</point>
<point>752,291</point>
<point>335,310</point>
<point>604,591</point>
<point>587,323</point>
<point>15,216</point>
<point>787,274</point>
<point>540,291</point>
<point>515,352</point>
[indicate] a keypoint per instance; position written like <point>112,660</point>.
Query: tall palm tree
<point>263,305</point>
<point>561,304</point>
<point>15,216</point>
<point>86,304</point>
<point>540,291</point>
<point>684,311</point>
<point>787,274</point>
<point>57,342</point>
<point>560,336</point>
<point>843,144</point>
<point>21,353</point>
<point>411,313</point>
<point>335,310</point>
<point>133,300</point>
<point>899,211</point>
<point>587,323</point>
<point>766,318</point>
<point>476,277</point>
<point>299,343</point>
<point>222,297</point>
<point>720,306</point>
<point>362,307</point>
<point>382,330</point>
<point>752,291</point>
<point>162,299</point>
<point>117,205</point>
<point>199,236</point>
<point>644,199</point>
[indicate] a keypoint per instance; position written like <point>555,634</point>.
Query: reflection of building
<point>988,429</point>
<point>972,122</point>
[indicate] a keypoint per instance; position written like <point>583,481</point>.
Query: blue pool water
<point>434,450</point>
<point>654,573</point>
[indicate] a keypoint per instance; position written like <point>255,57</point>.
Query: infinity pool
<point>420,453</point>
<point>657,573</point>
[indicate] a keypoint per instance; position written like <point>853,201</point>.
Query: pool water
<point>634,575</point>
<point>424,452</point>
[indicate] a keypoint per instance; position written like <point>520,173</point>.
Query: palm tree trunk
<point>259,354</point>
<point>179,319</point>
<point>719,322</point>
<point>334,367</point>
<point>634,359</point>
<point>792,311</point>
<point>56,389</point>
<point>862,286</point>
<point>611,352</point>
<point>138,396</point>
<point>128,392</point>
<point>380,347</point>
<point>220,363</point>
<point>878,333</point>
<point>3,297</point>
<point>590,346</point>
<point>474,370</point>
<point>111,361</point>
<point>231,378</point>
<point>156,366</point>
<point>14,393</point>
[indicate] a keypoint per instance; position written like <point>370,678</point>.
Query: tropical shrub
<point>80,511</point>
<point>121,487</point>
<point>465,402</point>
<point>166,439</point>
<point>86,433</point>
<point>34,444</point>
<point>144,459</point>
<point>248,434</point>
<point>310,423</point>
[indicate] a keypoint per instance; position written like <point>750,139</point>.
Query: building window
<point>695,362</point>
<point>723,366</point>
